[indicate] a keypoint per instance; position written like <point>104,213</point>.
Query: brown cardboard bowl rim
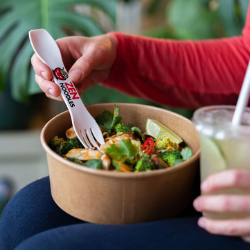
<point>115,174</point>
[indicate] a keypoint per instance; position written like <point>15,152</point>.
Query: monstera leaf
<point>17,17</point>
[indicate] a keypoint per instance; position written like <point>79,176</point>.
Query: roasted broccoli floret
<point>70,144</point>
<point>57,144</point>
<point>166,144</point>
<point>124,128</point>
<point>61,146</point>
<point>171,156</point>
<point>144,164</point>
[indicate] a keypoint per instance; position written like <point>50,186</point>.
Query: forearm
<point>185,74</point>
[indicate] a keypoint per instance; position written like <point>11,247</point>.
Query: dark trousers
<point>32,221</point>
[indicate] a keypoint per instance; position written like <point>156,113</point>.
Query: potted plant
<point>60,18</point>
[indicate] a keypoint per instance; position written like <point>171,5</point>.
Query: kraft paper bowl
<point>110,197</point>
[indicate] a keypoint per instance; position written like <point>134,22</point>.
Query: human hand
<point>226,203</point>
<point>88,61</point>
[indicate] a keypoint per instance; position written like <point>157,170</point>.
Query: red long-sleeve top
<point>183,74</point>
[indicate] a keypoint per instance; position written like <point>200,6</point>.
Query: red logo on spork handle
<point>60,74</point>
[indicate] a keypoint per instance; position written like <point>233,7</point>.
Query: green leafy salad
<point>126,148</point>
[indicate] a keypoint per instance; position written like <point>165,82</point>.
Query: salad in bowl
<point>127,148</point>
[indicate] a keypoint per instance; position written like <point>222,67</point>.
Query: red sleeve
<point>184,74</point>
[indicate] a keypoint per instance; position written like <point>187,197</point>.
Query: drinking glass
<point>223,146</point>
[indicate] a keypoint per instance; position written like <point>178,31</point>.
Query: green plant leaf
<point>186,153</point>
<point>244,8</point>
<point>191,20</point>
<point>9,49</point>
<point>127,148</point>
<point>20,75</point>
<point>161,32</point>
<point>93,163</point>
<point>17,18</point>
<point>153,6</point>
<point>33,86</point>
<point>83,24</point>
<point>107,120</point>
<point>124,152</point>
<point>115,153</point>
<point>231,24</point>
<point>108,6</point>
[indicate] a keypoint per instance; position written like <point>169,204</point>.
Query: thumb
<point>81,68</point>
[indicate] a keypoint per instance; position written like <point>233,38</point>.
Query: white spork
<point>85,126</point>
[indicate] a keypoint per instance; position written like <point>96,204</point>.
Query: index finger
<point>239,227</point>
<point>233,178</point>
<point>40,68</point>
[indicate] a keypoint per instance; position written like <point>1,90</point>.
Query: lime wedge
<point>159,131</point>
<point>212,159</point>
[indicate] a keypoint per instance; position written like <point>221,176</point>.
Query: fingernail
<point>51,92</point>
<point>44,75</point>
<point>76,75</point>
<point>196,204</point>
<point>202,223</point>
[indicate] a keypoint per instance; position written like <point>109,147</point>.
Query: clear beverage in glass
<point>223,146</point>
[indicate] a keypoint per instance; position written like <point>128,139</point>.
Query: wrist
<point>113,46</point>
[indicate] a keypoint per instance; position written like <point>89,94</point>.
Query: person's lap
<point>31,211</point>
<point>32,220</point>
<point>178,233</point>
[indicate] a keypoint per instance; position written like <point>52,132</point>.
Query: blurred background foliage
<point>59,17</point>
<point>172,19</point>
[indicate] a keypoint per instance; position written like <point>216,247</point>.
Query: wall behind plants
<point>181,20</point>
